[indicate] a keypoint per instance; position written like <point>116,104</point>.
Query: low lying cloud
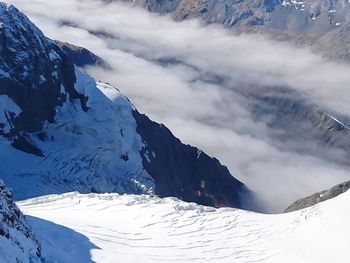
<point>195,80</point>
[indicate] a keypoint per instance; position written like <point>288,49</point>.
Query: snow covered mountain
<point>71,133</point>
<point>17,241</point>
<point>102,228</point>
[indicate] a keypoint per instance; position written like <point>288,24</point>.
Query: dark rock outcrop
<point>185,171</point>
<point>15,234</point>
<point>82,57</point>
<point>319,197</point>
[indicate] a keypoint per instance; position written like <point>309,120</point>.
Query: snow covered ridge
<point>62,131</point>
<point>102,228</point>
<point>17,241</point>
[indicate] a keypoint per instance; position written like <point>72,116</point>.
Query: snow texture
<point>128,228</point>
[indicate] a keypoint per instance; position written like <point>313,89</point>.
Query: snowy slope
<point>114,228</point>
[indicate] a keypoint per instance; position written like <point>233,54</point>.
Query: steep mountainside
<point>70,132</point>
<point>17,241</point>
<point>163,153</point>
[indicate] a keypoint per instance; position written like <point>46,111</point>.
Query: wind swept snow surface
<point>128,228</point>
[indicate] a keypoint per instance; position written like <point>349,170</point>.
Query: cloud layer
<point>193,79</point>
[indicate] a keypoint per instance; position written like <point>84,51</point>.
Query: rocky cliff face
<point>34,74</point>
<point>319,197</point>
<point>17,241</point>
<point>164,154</point>
<point>71,133</point>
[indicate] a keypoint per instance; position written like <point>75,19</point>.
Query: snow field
<point>129,228</point>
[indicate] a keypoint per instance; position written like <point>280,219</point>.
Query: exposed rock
<point>81,56</point>
<point>17,241</point>
<point>319,197</point>
<point>184,171</point>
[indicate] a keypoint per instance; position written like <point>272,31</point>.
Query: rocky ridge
<point>318,197</point>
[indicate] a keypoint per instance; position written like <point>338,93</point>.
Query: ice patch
<point>54,56</point>
<point>4,74</point>
<point>8,110</point>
